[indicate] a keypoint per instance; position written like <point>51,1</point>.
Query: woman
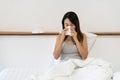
<point>72,46</point>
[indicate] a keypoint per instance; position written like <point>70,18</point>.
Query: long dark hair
<point>72,16</point>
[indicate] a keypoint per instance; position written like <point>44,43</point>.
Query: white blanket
<point>76,69</point>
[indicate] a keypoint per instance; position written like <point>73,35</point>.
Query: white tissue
<point>68,31</point>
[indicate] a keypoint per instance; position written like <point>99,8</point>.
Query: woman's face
<point>67,23</point>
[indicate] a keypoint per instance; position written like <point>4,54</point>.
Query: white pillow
<point>91,38</point>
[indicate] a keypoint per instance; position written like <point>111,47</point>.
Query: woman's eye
<point>66,25</point>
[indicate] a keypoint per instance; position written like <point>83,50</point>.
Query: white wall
<point>31,14</point>
<point>26,51</point>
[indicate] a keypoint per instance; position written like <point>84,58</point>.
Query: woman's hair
<point>72,16</point>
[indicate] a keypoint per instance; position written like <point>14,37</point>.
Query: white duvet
<point>76,69</point>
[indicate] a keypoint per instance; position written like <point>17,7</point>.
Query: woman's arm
<point>58,45</point>
<point>82,48</point>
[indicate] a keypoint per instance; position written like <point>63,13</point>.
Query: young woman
<point>72,46</point>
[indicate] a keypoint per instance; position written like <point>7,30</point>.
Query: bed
<point>21,74</point>
<point>90,69</point>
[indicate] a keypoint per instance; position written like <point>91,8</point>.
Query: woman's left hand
<point>73,33</point>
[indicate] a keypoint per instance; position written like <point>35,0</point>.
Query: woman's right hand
<point>63,33</point>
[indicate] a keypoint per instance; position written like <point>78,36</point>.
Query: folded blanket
<point>68,69</point>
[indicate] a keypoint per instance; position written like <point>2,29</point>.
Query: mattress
<point>21,74</point>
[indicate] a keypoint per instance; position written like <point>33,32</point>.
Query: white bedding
<point>89,69</point>
<point>116,76</point>
<point>21,74</point>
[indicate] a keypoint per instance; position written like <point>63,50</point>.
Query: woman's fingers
<point>65,29</point>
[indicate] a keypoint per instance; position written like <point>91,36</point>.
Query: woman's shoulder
<point>84,36</point>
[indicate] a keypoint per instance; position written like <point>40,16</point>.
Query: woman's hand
<point>63,33</point>
<point>73,33</point>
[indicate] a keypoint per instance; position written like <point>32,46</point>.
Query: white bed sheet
<point>21,74</point>
<point>33,74</point>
